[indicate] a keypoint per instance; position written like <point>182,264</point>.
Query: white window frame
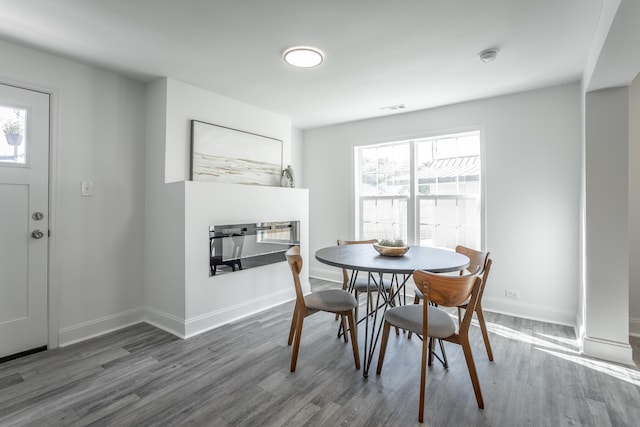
<point>413,198</point>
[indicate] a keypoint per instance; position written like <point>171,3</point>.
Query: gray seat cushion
<point>409,317</point>
<point>332,300</point>
<point>362,280</point>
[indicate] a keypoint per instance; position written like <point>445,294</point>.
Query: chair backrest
<point>295,263</point>
<point>485,274</point>
<point>477,260</point>
<point>449,291</point>
<point>345,273</point>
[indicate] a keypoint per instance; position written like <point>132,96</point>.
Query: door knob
<point>37,234</point>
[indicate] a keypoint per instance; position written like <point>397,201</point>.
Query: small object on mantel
<point>287,178</point>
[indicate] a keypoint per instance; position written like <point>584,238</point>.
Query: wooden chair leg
<point>426,348</point>
<point>344,327</point>
<point>354,339</point>
<point>466,348</point>
<point>383,346</point>
<point>296,343</point>
<point>294,322</point>
<point>459,317</point>
<point>483,329</point>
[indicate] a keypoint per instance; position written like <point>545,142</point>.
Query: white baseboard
<point>611,351</point>
<point>93,328</point>
<point>174,325</point>
<point>205,322</point>
<point>496,305</point>
<point>165,321</point>
<point>329,274</point>
<point>529,311</point>
<point>634,327</point>
<point>580,332</point>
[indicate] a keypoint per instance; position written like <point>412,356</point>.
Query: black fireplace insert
<point>237,247</point>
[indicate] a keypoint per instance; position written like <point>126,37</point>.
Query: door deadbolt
<point>37,216</point>
<point>37,234</point>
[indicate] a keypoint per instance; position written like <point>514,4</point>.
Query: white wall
<point>634,207</point>
<point>164,223</point>
<point>607,226</point>
<point>99,254</point>
<point>182,298</point>
<point>97,243</point>
<point>214,301</point>
<point>297,156</point>
<point>532,156</point>
<point>186,103</point>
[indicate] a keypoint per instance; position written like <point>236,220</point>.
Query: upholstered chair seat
<point>409,317</point>
<point>333,300</point>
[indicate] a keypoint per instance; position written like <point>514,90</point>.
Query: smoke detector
<point>488,55</point>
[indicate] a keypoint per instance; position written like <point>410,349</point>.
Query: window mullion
<point>412,211</point>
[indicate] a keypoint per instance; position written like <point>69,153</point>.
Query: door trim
<point>52,282</point>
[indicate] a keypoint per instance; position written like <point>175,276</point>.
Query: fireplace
<point>238,247</point>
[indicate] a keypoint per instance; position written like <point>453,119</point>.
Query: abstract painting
<point>222,154</point>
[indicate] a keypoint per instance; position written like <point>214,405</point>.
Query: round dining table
<point>364,258</point>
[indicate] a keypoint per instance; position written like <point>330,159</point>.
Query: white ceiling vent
<point>394,107</point>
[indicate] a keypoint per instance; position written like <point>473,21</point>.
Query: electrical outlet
<point>86,188</point>
<point>510,293</point>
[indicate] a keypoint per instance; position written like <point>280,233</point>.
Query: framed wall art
<point>223,154</point>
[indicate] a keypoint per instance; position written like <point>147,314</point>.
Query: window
<point>424,191</point>
<point>13,121</point>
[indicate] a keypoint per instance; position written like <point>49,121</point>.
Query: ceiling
<point>420,53</point>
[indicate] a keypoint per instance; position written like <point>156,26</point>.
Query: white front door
<point>24,219</point>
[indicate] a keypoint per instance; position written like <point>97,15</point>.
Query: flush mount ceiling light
<point>303,56</point>
<point>488,55</point>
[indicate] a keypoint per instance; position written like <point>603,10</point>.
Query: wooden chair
<point>361,284</point>
<point>479,264</point>
<point>330,300</point>
<point>431,321</point>
<point>483,269</point>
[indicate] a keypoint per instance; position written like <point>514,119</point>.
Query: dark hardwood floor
<point>238,375</point>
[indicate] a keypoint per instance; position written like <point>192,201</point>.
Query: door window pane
<point>13,122</point>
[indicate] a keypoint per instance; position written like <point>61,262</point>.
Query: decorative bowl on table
<point>391,248</point>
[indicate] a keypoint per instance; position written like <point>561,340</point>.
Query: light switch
<point>86,188</point>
